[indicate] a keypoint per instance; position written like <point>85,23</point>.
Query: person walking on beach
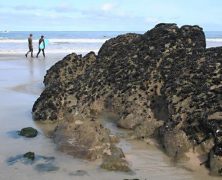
<point>30,46</point>
<point>41,46</point>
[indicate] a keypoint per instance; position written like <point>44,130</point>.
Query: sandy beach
<point>121,90</point>
<point>20,85</point>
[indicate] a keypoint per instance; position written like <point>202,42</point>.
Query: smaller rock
<point>116,161</point>
<point>28,132</point>
<point>115,164</point>
<point>29,155</point>
<point>79,173</point>
<point>114,139</point>
<point>175,143</point>
<point>130,121</point>
<point>215,163</point>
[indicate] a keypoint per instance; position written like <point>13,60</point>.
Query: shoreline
<point>51,52</point>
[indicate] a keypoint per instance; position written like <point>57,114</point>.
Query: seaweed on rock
<point>159,84</point>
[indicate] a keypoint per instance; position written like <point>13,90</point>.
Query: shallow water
<point>20,85</point>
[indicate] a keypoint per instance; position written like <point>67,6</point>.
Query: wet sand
<point>20,85</point>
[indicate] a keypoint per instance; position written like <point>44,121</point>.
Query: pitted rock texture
<point>163,84</point>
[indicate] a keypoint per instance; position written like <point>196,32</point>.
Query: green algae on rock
<point>29,155</point>
<point>28,132</point>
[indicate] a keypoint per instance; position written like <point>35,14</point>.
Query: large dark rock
<point>163,84</point>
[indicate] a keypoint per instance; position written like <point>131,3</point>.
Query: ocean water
<point>72,41</point>
<point>59,41</point>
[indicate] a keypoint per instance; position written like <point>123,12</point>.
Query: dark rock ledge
<point>163,84</point>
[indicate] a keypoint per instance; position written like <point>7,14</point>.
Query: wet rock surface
<point>29,155</point>
<point>28,132</point>
<point>163,84</point>
<point>115,161</point>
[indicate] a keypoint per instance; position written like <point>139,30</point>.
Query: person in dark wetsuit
<point>40,41</point>
<point>30,46</point>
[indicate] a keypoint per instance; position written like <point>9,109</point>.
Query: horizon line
<point>7,31</point>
